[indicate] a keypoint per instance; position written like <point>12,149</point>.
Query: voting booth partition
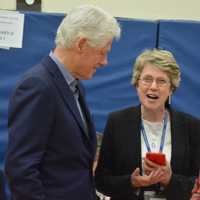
<point>110,89</point>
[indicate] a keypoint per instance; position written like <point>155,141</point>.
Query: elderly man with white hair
<point>52,139</point>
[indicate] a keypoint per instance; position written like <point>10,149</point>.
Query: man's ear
<point>80,44</point>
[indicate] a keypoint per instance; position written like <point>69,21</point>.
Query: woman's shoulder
<point>126,113</point>
<point>183,115</point>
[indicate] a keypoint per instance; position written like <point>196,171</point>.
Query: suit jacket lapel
<point>91,135</point>
<point>64,89</point>
<point>85,108</point>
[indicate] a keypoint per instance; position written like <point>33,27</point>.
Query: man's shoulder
<point>35,77</point>
<point>38,70</point>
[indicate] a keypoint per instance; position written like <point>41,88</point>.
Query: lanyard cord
<point>162,137</point>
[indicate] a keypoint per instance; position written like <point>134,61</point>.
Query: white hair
<point>90,22</point>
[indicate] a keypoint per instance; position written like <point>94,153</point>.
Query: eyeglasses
<point>147,81</point>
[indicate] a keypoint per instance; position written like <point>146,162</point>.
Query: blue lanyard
<point>162,137</point>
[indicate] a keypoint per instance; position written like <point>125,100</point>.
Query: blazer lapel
<point>178,142</point>
<point>132,137</point>
<point>64,90</point>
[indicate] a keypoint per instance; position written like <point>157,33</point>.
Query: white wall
<point>141,9</point>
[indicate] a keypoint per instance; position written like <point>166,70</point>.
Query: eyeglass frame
<point>148,81</point>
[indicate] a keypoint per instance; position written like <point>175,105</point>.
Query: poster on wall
<point>11,29</point>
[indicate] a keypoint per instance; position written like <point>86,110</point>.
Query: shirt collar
<point>64,71</point>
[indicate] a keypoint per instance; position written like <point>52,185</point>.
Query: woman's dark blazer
<point>120,155</point>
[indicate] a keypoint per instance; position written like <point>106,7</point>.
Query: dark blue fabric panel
<point>110,89</point>
<point>182,38</point>
<point>38,40</point>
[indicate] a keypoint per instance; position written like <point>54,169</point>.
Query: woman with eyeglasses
<point>150,151</point>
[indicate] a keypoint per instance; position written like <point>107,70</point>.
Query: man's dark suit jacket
<point>120,155</point>
<point>49,155</point>
<point>2,186</point>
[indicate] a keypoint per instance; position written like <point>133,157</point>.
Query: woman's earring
<point>169,99</point>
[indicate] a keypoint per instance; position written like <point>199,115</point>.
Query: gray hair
<point>90,22</point>
<point>162,59</point>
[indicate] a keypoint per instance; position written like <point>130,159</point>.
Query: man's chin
<point>87,77</point>
<point>91,75</point>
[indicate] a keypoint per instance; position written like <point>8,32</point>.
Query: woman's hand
<point>153,177</point>
<point>150,166</point>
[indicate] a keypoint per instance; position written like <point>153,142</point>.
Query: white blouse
<point>153,132</point>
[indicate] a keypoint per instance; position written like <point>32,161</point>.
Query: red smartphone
<point>158,158</point>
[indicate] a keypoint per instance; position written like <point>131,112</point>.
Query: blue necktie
<point>80,104</point>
